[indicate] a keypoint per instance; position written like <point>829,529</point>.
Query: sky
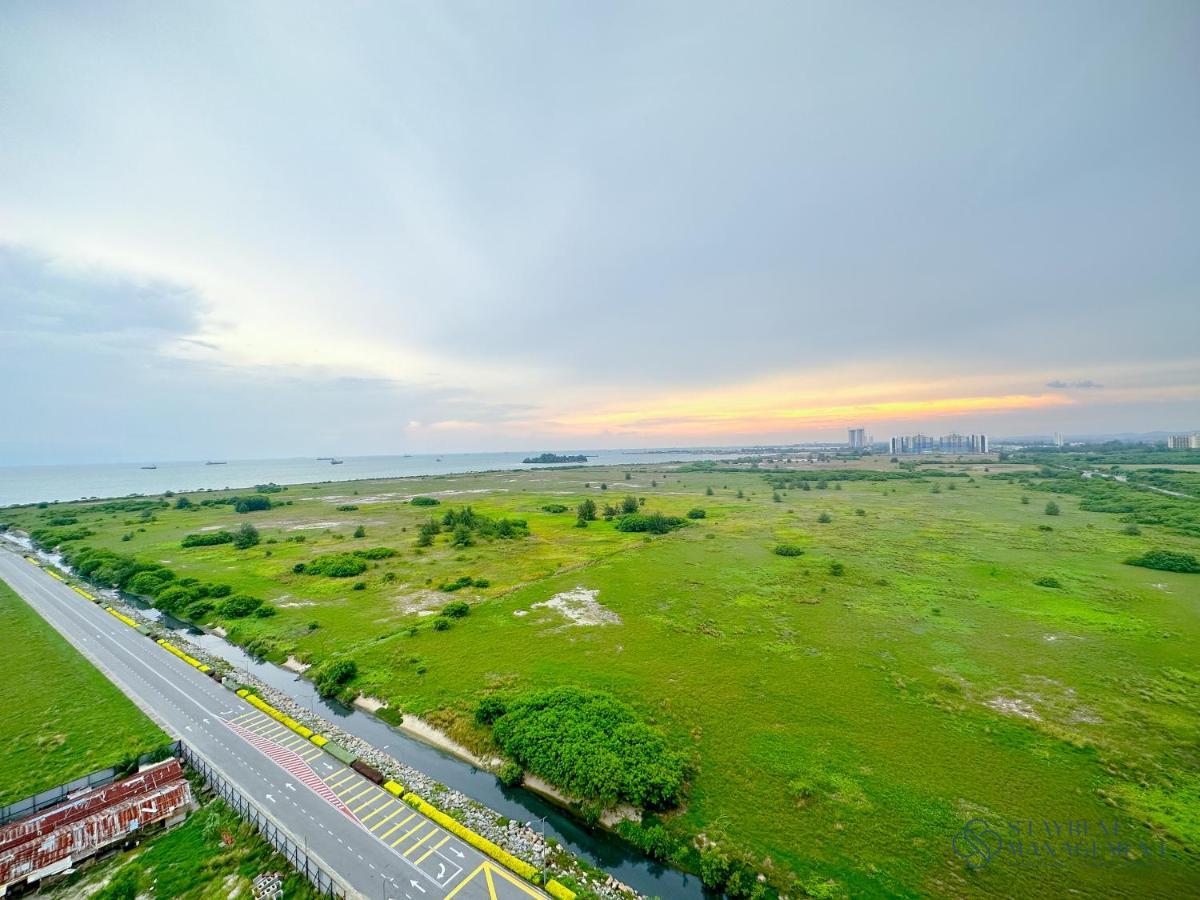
<point>286,229</point>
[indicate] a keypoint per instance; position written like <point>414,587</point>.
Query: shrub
<point>246,537</point>
<point>299,568</point>
<point>375,553</point>
<point>456,610</point>
<point>347,507</point>
<point>511,775</point>
<point>456,585</point>
<point>586,510</point>
<point>554,508</point>
<point>441,623</point>
<point>333,676</point>
<point>654,523</point>
<point>220,590</point>
<point>251,504</point>
<point>1047,582</point>
<point>593,746</point>
<point>825,518</point>
<point>360,532</point>
<point>1131,530</point>
<point>482,583</point>
<point>708,491</point>
<point>629,504</point>
<point>837,569</point>
<point>1052,508</point>
<point>787,550</point>
<point>336,565</point>
<point>198,610</point>
<point>696,513</point>
<point>489,709</point>
<point>1165,561</point>
<point>265,611</point>
<point>425,501</point>
<point>238,606</point>
<point>183,503</point>
<point>359,586</point>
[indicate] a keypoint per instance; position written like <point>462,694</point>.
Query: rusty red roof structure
<point>54,840</point>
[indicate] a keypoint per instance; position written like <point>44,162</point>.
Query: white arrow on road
<point>188,727</point>
<point>289,786</point>
<point>457,852</point>
<point>269,797</point>
<point>417,885</point>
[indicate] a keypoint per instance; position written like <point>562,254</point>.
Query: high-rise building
<point>1058,439</point>
<point>858,438</point>
<point>949,443</point>
<point>1184,441</point>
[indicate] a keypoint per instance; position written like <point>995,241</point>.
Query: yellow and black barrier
<point>82,593</point>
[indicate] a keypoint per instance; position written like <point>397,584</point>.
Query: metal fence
<point>55,795</point>
<point>325,882</point>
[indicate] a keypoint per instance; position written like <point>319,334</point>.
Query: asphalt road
<point>378,846</point>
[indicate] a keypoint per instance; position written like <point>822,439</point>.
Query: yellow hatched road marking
<point>420,842</point>
<point>377,810</point>
<point>388,833</point>
<point>512,879</point>
<point>367,790</point>
<point>424,856</point>
<point>408,833</point>
<point>400,808</point>
<point>367,802</point>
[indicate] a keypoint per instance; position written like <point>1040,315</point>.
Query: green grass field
<point>60,717</point>
<point>843,727</point>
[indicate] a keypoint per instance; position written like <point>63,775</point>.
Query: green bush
<point>1165,561</point>
<point>246,537</point>
<point>489,709</point>
<point>238,606</point>
<point>441,623</point>
<point>1052,509</point>
<point>360,532</point>
<point>654,523</point>
<point>593,746</point>
<point>335,675</point>
<point>1047,581</point>
<point>375,553</point>
<point>251,504</point>
<point>511,775</point>
<point>207,539</point>
<point>456,610</point>
<point>824,518</point>
<point>336,565</point>
<point>696,513</point>
<point>425,501</point>
<point>787,550</point>
<point>837,569</point>
<point>554,508</point>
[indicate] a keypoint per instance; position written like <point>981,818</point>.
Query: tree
<point>708,491</point>
<point>360,532</point>
<point>587,510</point>
<point>629,504</point>
<point>183,503</point>
<point>461,536</point>
<point>245,537</point>
<point>1052,508</point>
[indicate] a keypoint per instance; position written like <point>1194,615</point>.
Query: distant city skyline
<point>445,228</point>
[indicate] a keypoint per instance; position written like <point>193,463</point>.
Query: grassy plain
<point>59,716</point>
<point>844,727</point>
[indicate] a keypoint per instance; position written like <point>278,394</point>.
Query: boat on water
<point>215,463</point>
<point>149,467</point>
<point>336,462</point>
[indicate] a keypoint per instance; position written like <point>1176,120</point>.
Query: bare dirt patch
<point>580,607</point>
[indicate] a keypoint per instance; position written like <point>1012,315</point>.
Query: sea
<point>37,484</point>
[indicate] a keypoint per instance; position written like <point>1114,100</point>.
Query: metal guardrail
<point>325,882</point>
<point>101,777</point>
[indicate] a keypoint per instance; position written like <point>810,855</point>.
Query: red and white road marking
<point>294,765</point>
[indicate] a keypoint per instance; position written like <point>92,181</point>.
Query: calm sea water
<point>34,484</point>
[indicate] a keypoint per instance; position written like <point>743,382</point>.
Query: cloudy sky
<point>256,229</point>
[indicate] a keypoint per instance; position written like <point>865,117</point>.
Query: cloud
<point>1085,385</point>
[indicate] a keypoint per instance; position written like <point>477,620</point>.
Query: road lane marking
<point>367,802</point>
<point>337,780</point>
<point>377,810</point>
<point>408,833</point>
<point>410,850</point>
<point>427,853</point>
<point>363,792</point>
<point>400,824</point>
<point>400,808</point>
